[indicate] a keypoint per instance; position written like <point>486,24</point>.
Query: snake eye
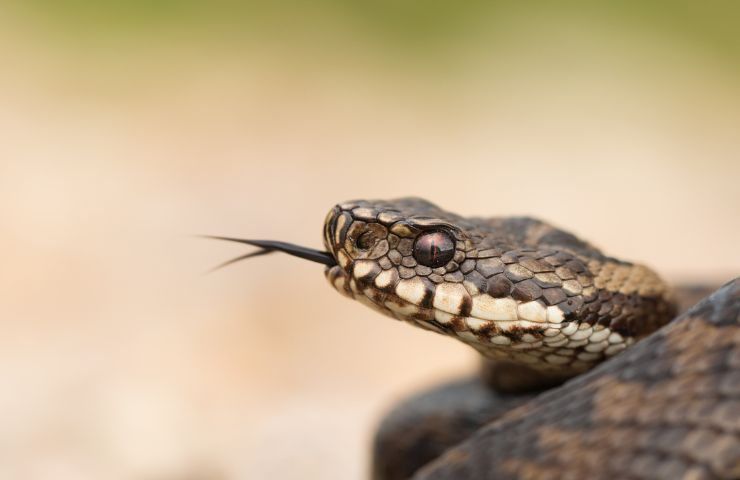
<point>365,241</point>
<point>434,249</point>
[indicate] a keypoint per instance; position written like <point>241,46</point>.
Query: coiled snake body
<point>542,307</point>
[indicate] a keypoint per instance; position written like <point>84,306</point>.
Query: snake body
<point>547,311</point>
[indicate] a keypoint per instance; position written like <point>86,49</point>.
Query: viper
<point>588,370</point>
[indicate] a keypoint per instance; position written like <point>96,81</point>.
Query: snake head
<point>399,257</point>
<point>514,289</point>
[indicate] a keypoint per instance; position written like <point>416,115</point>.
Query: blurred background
<point>126,127</point>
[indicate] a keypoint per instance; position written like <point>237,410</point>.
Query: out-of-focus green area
<point>425,27</point>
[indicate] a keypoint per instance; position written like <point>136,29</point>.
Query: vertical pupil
<point>434,249</point>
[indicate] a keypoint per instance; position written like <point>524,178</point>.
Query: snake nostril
<point>365,241</point>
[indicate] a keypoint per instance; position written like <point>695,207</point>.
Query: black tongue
<point>269,246</point>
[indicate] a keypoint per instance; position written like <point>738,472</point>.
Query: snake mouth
<point>270,246</point>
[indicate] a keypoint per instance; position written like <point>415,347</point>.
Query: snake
<point>592,366</point>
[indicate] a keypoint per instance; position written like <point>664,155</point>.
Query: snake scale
<point>587,371</point>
